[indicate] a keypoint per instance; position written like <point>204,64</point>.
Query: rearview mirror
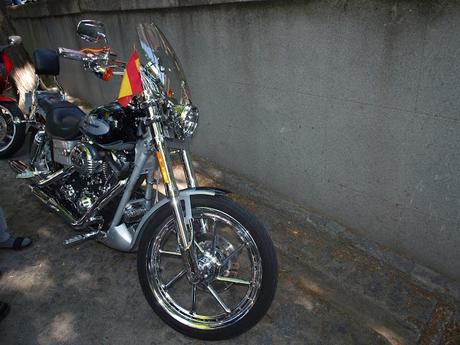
<point>91,31</point>
<point>14,40</point>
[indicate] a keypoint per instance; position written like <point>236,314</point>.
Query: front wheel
<point>11,135</point>
<point>237,264</point>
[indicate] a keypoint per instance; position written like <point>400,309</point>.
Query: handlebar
<point>72,54</point>
<point>100,61</point>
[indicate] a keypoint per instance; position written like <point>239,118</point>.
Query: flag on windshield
<point>131,85</point>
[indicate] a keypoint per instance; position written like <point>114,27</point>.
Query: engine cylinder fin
<point>86,159</point>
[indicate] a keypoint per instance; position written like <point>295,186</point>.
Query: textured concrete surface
<point>348,108</point>
<point>330,291</point>
<point>59,8</point>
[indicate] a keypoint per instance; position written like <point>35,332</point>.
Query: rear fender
<point>7,99</point>
<point>184,195</point>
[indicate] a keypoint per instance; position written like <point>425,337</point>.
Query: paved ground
<point>330,292</point>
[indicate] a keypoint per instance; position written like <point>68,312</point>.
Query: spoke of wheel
<point>213,245</point>
<point>193,297</point>
<point>175,279</point>
<point>216,296</point>
<point>235,252</point>
<point>233,280</point>
<point>204,224</point>
<point>170,253</point>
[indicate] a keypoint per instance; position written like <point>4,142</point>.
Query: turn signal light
<point>161,163</point>
<point>108,74</point>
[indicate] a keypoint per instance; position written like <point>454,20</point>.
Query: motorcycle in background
<point>12,134</point>
<point>206,266</point>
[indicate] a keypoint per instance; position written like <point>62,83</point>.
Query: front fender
<point>184,195</point>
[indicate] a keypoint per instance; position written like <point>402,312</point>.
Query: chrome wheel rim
<point>230,269</point>
<point>7,129</point>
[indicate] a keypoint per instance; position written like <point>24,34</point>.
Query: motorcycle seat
<point>62,118</point>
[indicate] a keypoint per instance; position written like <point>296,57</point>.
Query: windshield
<point>156,53</point>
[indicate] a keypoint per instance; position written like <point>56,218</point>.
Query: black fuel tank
<point>109,123</point>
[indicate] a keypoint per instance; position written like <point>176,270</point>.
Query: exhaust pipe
<point>87,218</point>
<point>18,166</point>
<point>50,202</point>
<point>56,176</point>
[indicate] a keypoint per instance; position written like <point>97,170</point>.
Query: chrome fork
<point>185,234</point>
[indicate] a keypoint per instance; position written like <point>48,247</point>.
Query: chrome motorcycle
<point>207,266</point>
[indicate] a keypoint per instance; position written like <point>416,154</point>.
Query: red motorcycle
<point>12,124</point>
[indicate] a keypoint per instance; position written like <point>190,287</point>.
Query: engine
<point>79,195</point>
<point>96,171</point>
<point>86,159</point>
<point>92,175</point>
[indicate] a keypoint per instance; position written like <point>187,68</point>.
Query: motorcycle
<point>206,266</point>
<point>11,135</point>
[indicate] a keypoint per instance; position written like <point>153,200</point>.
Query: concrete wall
<point>350,108</point>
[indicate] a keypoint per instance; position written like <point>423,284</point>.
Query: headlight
<point>185,120</point>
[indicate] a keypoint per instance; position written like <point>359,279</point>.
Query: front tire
<point>250,273</point>
<point>11,135</point>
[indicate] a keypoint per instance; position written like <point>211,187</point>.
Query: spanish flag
<point>131,85</point>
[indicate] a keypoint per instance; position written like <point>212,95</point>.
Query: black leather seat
<point>62,118</point>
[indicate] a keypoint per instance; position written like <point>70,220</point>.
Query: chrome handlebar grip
<point>90,62</point>
<point>72,54</point>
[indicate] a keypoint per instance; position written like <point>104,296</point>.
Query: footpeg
<point>80,238</point>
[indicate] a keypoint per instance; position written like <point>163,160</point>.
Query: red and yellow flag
<point>131,85</point>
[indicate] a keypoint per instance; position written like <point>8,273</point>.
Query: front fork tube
<point>189,173</point>
<point>185,233</point>
<point>150,180</point>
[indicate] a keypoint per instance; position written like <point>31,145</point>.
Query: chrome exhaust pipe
<point>50,202</point>
<point>56,176</point>
<point>74,221</point>
<point>18,166</point>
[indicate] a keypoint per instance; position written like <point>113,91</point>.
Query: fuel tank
<point>109,123</point>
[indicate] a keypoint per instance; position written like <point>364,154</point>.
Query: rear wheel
<point>11,135</point>
<point>237,264</point>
